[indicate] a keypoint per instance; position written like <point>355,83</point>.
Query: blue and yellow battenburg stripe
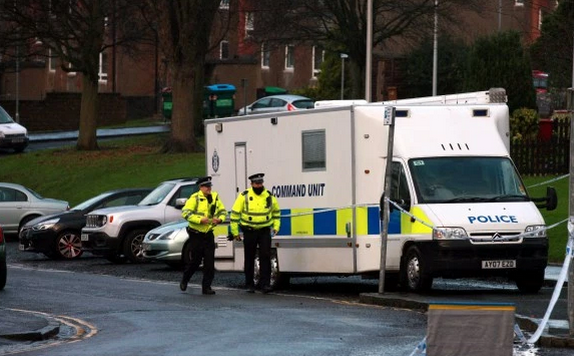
<point>316,222</point>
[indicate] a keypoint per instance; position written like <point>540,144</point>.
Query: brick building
<point>237,59</point>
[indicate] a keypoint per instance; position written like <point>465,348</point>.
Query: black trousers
<point>251,240</point>
<point>202,248</point>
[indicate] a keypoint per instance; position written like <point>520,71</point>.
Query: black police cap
<point>256,178</point>
<point>204,181</point>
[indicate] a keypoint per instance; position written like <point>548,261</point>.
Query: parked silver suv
<point>117,233</point>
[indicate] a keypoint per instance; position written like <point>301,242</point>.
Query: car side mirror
<point>180,203</point>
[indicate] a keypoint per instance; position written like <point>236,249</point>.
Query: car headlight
<point>170,235</point>
<point>535,231</point>
<point>442,233</point>
<point>45,225</point>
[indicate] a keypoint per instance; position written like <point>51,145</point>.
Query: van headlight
<point>442,233</point>
<point>537,231</point>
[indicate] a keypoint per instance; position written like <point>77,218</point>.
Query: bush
<point>524,124</point>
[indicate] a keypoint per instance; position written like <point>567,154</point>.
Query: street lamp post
<point>369,50</point>
<point>343,57</point>
<point>17,113</point>
<point>435,49</point>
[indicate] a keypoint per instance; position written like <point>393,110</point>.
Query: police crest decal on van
<point>215,161</point>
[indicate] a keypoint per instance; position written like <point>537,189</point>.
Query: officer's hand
<point>273,232</point>
<point>204,221</point>
<point>237,238</point>
<point>230,237</point>
<point>215,221</point>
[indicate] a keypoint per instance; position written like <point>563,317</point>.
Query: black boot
<point>208,291</point>
<point>183,285</point>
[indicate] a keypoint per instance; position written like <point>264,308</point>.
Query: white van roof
<point>331,103</point>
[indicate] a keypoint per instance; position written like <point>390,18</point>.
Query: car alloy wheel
<point>69,245</point>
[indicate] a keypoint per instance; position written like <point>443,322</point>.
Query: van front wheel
<point>530,282</point>
<point>414,272</point>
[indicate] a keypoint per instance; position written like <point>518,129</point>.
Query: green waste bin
<point>266,91</point>
<point>218,100</point>
<point>167,103</point>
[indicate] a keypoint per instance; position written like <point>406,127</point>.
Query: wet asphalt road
<point>109,296</point>
<point>139,310</point>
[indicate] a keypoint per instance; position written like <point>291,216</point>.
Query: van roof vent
<point>479,112</point>
<point>455,147</point>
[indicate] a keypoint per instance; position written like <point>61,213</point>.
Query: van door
<point>240,167</point>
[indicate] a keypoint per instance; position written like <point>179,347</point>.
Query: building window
<point>51,61</point>
<point>224,50</point>
<point>318,58</point>
<point>249,23</point>
<point>314,150</point>
<point>103,67</point>
<point>289,57</point>
<point>518,2</point>
<point>224,5</point>
<point>265,55</point>
<point>540,15</point>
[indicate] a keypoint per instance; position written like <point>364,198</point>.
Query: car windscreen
<point>157,195</point>
<point>91,201</point>
<point>4,117</point>
<point>303,104</point>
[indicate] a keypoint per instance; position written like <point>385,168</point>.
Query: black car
<point>58,236</point>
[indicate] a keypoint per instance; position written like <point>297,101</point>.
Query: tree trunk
<point>185,98</point>
<point>357,75</point>
<point>87,139</point>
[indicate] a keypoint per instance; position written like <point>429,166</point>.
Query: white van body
<point>327,169</point>
<point>12,135</point>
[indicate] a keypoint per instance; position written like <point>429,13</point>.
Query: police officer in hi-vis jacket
<point>257,212</point>
<point>203,211</point>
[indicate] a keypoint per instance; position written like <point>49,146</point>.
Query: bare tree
<point>75,32</point>
<point>184,32</point>
<point>341,25</point>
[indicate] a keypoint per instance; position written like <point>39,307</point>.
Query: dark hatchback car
<point>58,236</point>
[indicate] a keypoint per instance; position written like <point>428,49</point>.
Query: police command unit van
<point>458,205</point>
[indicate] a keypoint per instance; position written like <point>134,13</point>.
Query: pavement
<point>101,133</point>
<point>20,325</point>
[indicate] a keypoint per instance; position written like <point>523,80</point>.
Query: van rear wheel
<point>278,280</point>
<point>414,272</point>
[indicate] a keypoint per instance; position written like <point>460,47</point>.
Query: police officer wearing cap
<point>257,212</point>
<point>203,211</point>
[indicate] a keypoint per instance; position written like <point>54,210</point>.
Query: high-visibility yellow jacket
<point>255,211</point>
<point>197,207</point>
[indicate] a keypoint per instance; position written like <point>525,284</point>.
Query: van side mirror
<point>404,204</point>
<point>551,198</point>
<point>550,201</point>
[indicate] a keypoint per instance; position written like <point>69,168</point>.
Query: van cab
<point>12,135</point>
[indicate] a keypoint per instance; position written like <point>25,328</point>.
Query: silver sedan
<point>19,204</point>
<point>165,243</point>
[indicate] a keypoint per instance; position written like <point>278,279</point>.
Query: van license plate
<point>85,237</point>
<point>498,264</point>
